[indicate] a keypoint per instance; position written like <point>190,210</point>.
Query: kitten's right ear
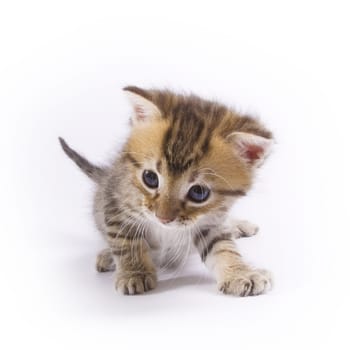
<point>145,110</point>
<point>251,148</point>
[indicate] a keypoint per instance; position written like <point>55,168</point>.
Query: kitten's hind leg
<point>105,261</point>
<point>241,228</point>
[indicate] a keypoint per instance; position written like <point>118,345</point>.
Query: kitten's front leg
<point>218,251</point>
<point>135,272</point>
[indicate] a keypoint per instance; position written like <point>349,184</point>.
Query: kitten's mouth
<point>170,224</point>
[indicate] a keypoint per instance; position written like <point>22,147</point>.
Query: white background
<point>62,67</point>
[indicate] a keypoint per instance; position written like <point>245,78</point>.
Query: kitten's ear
<point>253,149</point>
<point>144,109</point>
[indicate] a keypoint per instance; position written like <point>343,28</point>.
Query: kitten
<point>184,164</point>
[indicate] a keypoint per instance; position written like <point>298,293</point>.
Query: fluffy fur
<point>184,141</point>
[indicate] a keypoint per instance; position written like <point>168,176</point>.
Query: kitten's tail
<point>92,171</point>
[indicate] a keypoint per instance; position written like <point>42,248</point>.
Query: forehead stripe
<point>183,144</point>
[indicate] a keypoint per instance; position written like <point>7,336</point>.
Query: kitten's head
<point>190,158</point>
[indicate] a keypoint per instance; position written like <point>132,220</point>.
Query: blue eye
<point>198,193</point>
<point>150,178</point>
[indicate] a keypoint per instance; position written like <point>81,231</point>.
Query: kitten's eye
<point>150,178</point>
<point>198,193</point>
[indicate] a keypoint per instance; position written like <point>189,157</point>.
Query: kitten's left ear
<point>144,109</point>
<point>251,148</point>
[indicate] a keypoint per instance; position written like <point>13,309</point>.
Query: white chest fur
<point>169,246</point>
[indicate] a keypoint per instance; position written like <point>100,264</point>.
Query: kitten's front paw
<point>242,228</point>
<point>247,283</point>
<point>135,283</point>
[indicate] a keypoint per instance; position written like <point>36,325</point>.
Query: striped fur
<point>186,141</point>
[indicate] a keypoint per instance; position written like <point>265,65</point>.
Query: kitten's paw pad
<point>136,283</point>
<point>241,228</point>
<point>104,261</point>
<point>247,283</point>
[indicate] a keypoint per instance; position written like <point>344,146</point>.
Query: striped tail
<point>92,171</point>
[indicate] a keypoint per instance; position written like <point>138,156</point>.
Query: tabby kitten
<point>184,164</point>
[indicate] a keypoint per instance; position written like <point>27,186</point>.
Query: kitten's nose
<point>165,220</point>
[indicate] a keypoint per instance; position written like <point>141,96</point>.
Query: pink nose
<point>165,220</point>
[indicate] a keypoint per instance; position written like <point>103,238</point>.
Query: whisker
<point>214,173</point>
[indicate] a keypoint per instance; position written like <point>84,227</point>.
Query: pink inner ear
<point>140,112</point>
<point>252,152</point>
